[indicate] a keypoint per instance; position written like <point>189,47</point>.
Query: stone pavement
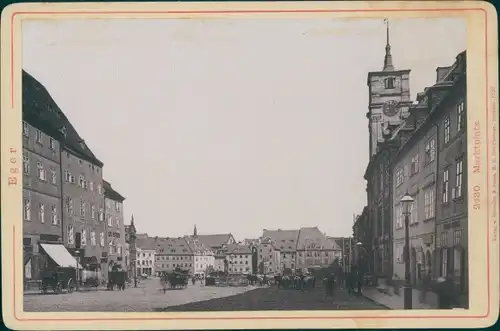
<point>396,301</point>
<point>273,298</point>
<point>146,297</point>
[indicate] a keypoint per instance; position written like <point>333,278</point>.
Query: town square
<point>196,171</point>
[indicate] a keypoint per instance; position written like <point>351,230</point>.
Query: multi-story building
<point>451,197</point>
<point>414,173</point>
<point>345,245</point>
<point>314,250</point>
<point>239,258</point>
<point>203,257</point>
<point>286,242</point>
<point>115,227</point>
<point>389,102</point>
<point>145,256</point>
<point>362,233</point>
<point>41,176</point>
<point>268,257</point>
<point>172,253</point>
<point>220,262</point>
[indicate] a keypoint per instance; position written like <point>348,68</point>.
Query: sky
<point>235,125</point>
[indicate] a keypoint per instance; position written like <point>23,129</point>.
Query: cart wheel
<point>71,286</point>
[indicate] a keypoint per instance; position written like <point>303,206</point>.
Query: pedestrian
<point>360,280</point>
<point>351,279</point>
<point>193,279</point>
<point>425,286</point>
<point>446,292</point>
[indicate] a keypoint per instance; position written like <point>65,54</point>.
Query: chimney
<point>441,72</point>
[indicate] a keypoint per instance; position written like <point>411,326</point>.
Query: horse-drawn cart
<point>118,279</point>
<point>178,279</point>
<point>59,279</point>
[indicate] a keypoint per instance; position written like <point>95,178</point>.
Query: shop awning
<point>60,255</point>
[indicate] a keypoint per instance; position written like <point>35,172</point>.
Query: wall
<point>93,195</point>
<point>115,230</point>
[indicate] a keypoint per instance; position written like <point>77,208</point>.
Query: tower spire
<point>195,231</point>
<point>388,66</point>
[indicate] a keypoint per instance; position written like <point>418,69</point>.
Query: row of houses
<point>69,211</point>
<point>417,148</point>
<point>273,252</point>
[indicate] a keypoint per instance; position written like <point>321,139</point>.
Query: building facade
<point>203,257</point>
<point>145,260</point>
<point>172,253</point>
<point>115,227</point>
<point>314,250</point>
<point>239,258</point>
<point>452,176</point>
<point>362,235</point>
<point>286,242</point>
<point>268,257</point>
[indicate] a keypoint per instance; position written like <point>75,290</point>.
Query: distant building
<point>145,259</point>
<point>345,245</point>
<point>115,226</point>
<point>216,241</point>
<point>268,257</point>
<point>238,257</point>
<point>286,242</point>
<point>203,257</point>
<point>314,250</point>
<point>172,253</point>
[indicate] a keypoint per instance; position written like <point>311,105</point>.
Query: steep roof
<point>285,240</point>
<point>312,237</point>
<point>237,249</point>
<point>196,245</point>
<point>41,111</point>
<point>110,193</point>
<point>214,240</point>
<point>171,246</point>
<point>336,243</point>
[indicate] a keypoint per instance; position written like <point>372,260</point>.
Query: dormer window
<point>389,83</point>
<point>63,131</point>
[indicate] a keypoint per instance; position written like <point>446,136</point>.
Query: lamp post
<point>77,253</point>
<point>135,273</point>
<point>407,202</point>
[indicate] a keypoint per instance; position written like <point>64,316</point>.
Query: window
<point>399,216</point>
<point>69,205</point>
<point>54,215</point>
<point>108,206</point>
<point>84,237</point>
<point>413,211</point>
<point>71,237</point>
<point>110,221</point>
<point>447,130</point>
<point>92,239</point>
<point>110,244</point>
<point>40,171</point>
<point>414,164</point>
<point>26,165</point>
<point>117,206</point>
<point>39,136</point>
<point>41,213</point>
<point>81,181</point>
<point>460,116</point>
<point>429,203</point>
<point>91,186</point>
<point>101,239</point>
<point>457,237</point>
<point>444,261</point>
<point>53,176</point>
<point>458,191</point>
<point>92,212</point>
<point>399,176</point>
<point>52,144</point>
<point>26,129</point>
<point>430,150</point>
<point>72,179</point>
<point>26,210</point>
<point>389,83</point>
<point>67,175</point>
<point>101,215</point>
<point>99,189</point>
<point>446,185</point>
<point>82,208</point>
<point>118,223</point>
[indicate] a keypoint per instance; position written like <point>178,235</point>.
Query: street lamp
<point>406,203</point>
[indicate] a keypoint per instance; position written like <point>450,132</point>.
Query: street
<point>148,297</point>
<point>273,298</point>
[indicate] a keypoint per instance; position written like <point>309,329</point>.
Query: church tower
<point>195,231</point>
<point>389,97</point>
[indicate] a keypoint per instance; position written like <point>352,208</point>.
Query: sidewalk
<point>395,301</point>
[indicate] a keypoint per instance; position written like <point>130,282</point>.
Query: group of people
<point>344,279</point>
